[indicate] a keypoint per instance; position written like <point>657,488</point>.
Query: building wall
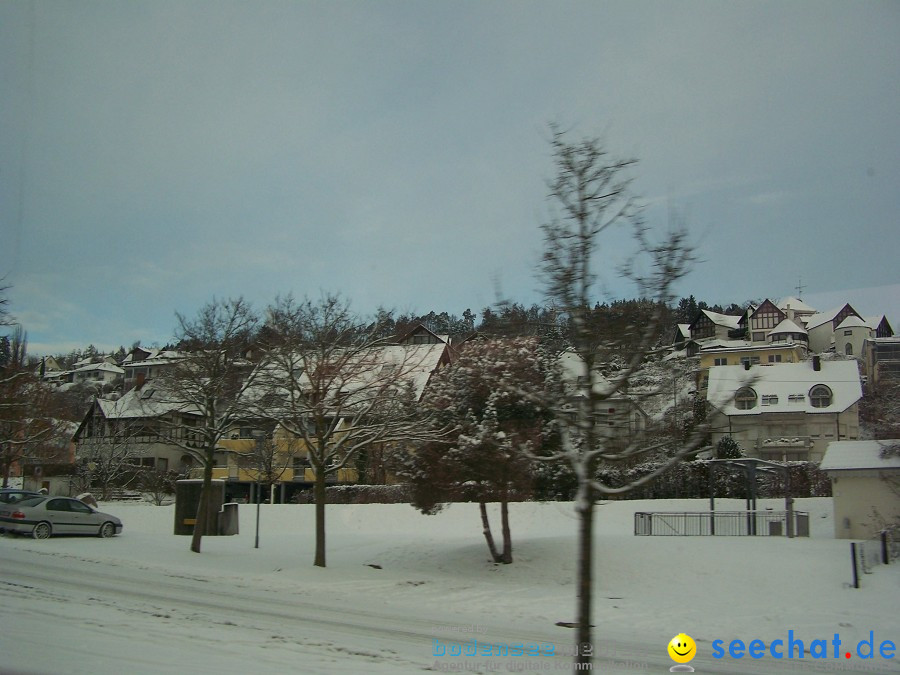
<point>851,341</point>
<point>790,436</point>
<point>861,499</point>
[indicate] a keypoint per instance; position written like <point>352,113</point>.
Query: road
<point>64,613</point>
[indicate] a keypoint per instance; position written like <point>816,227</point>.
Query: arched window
<point>820,396</point>
<point>848,349</point>
<point>745,399</point>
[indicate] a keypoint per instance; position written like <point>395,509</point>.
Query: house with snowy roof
<point>620,415</point>
<point>141,364</point>
<point>787,411</point>
<point>825,331</point>
<point>746,353</point>
<point>795,309</point>
<point>865,485</point>
<point>97,373</point>
<point>145,418</point>
<point>709,324</point>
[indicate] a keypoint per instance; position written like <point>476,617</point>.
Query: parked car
<point>13,495</point>
<point>43,516</point>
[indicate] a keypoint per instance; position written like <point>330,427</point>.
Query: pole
<point>258,501</point>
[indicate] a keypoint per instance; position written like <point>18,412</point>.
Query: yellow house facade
<point>742,353</point>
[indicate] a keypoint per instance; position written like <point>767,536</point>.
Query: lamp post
<point>259,451</point>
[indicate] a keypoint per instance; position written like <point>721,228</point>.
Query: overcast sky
<point>156,154</point>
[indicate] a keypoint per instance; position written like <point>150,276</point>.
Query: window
<point>759,336</point>
<point>848,332</point>
<point>770,399</point>
<point>820,396</point>
<point>774,358</point>
<point>722,361</point>
<point>745,399</point>
<point>752,360</point>
<point>848,349</point>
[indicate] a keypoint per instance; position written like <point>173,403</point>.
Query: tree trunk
<point>584,645</point>
<point>202,507</point>
<point>506,558</point>
<point>319,492</point>
<point>486,528</point>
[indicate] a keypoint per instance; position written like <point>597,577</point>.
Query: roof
<point>728,346</point>
<point>100,366</point>
<point>788,326</point>
<point>148,401</point>
<point>849,455</point>
<point>722,319</point>
<point>788,386</point>
<point>853,322</point>
<point>412,363</point>
<point>817,320</point>
<point>795,304</point>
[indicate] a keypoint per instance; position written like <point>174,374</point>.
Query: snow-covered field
<point>401,587</point>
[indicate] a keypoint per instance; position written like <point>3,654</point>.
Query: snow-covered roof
<point>817,320</point>
<point>154,357</point>
<point>849,455</point>
<point>572,367</point>
<point>148,401</point>
<point>795,304</point>
<point>107,367</point>
<point>785,387</point>
<point>787,326</point>
<point>853,322</point>
<point>684,329</point>
<point>722,346</point>
<point>722,319</point>
<point>874,321</point>
<point>412,364</point>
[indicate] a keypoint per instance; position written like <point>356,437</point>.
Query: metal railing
<point>868,554</point>
<point>720,523</point>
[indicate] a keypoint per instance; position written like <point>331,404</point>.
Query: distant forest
<point>618,321</point>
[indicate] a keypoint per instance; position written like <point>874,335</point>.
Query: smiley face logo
<point>682,648</point>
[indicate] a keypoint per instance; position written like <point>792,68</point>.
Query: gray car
<point>13,495</point>
<point>44,516</point>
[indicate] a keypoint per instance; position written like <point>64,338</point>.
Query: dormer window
<point>745,399</point>
<point>820,396</point>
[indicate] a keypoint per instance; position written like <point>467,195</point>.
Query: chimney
<point>817,362</point>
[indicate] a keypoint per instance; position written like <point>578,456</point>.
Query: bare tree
<point>30,428</point>
<point>334,382</point>
<point>591,194</point>
<point>269,458</point>
<point>205,390</point>
<point>108,462</point>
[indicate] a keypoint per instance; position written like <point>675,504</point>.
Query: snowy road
<point>81,615</point>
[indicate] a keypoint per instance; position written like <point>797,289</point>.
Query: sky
<point>155,155</point>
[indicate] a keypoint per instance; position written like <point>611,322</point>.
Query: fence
<point>720,523</point>
<point>879,550</point>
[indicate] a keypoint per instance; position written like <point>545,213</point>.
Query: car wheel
<point>42,531</point>
<point>107,530</point>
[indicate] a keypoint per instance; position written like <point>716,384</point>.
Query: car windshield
<point>31,501</point>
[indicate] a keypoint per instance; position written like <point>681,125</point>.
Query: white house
<point>865,478</point>
<point>785,411</point>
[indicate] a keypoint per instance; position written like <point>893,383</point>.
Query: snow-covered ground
<point>401,587</point>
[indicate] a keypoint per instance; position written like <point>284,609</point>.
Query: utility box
<point>187,501</point>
